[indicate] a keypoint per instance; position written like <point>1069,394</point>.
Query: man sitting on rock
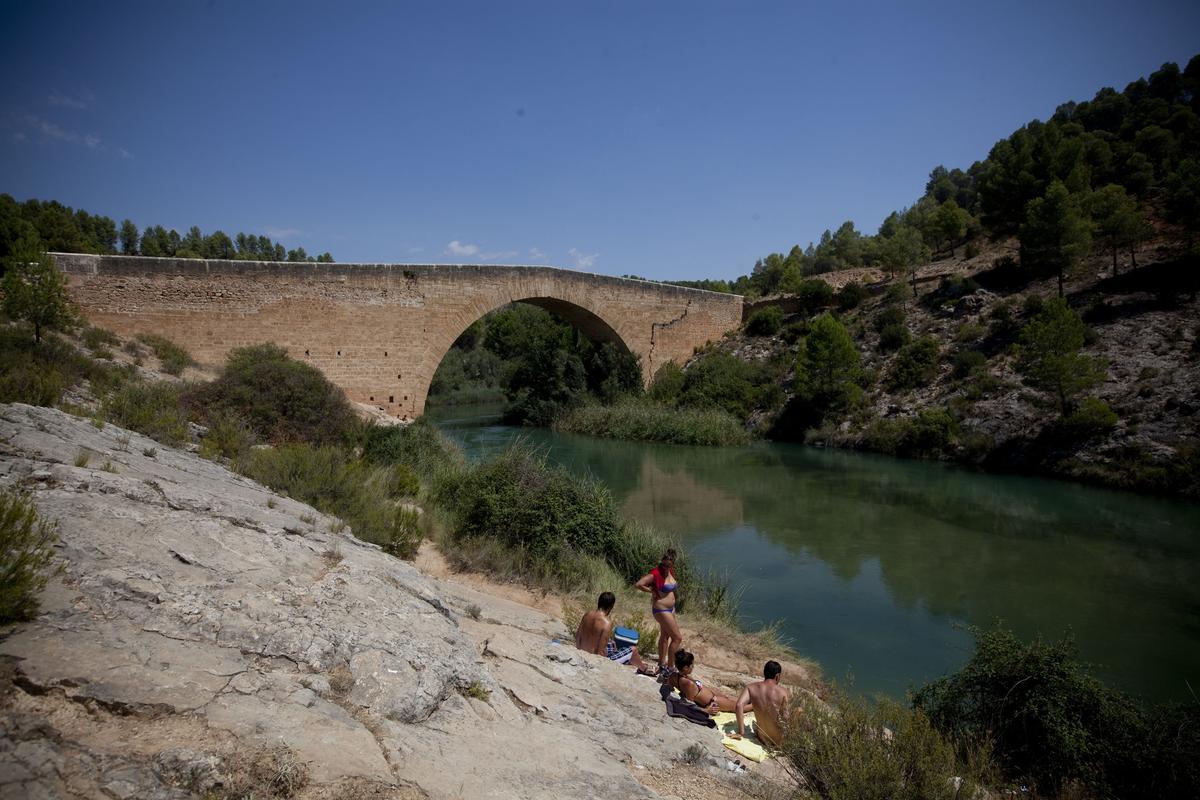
<point>595,635</point>
<point>770,700</point>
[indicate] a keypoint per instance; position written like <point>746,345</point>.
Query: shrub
<point>972,250</point>
<point>667,384</point>
<point>969,332</point>
<point>968,362</point>
<point>173,358</point>
<point>897,293</point>
<point>420,447</point>
<point>851,296</point>
<point>37,373</point>
<point>931,433</point>
<point>99,338</point>
<point>915,364</point>
<point>722,381</point>
<point>1092,417</point>
<point>650,423</point>
<point>228,436</point>
<point>1032,305</point>
<point>871,751</point>
<point>519,517</point>
<point>1053,723</point>
<point>282,400</point>
<point>794,331</point>
<point>364,496</point>
<point>148,407</point>
<point>889,315</point>
<point>893,337</point>
<point>26,552</point>
<point>765,321</point>
<point>814,295</point>
<point>524,502</point>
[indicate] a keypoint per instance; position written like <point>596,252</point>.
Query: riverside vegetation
<point>1018,713</point>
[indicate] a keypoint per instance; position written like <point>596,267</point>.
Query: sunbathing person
<point>595,636</point>
<point>692,689</point>
<point>769,700</point>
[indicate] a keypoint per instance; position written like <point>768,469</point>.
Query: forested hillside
<point>49,225</point>
<point>1103,175</point>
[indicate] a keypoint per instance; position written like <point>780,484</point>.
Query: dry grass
<point>341,680</point>
<point>275,772</point>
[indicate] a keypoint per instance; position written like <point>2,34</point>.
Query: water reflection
<point>871,564</point>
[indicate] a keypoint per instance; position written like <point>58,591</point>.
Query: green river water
<point>873,566</point>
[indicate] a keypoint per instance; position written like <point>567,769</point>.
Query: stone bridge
<point>379,331</point>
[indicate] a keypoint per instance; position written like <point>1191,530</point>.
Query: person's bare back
<point>593,633</point>
<point>770,700</point>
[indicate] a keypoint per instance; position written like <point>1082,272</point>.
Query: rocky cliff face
<point>205,636</point>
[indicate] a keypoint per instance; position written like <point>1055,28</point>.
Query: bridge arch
<point>379,331</point>
<point>588,322</point>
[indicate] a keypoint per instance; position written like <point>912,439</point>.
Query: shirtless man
<point>595,634</point>
<point>769,700</point>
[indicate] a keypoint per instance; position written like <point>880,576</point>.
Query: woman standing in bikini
<point>660,583</point>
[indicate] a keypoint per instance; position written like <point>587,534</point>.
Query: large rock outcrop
<point>204,631</point>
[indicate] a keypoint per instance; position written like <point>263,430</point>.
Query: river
<point>874,566</point>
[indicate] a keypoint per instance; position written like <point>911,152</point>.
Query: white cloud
<point>457,248</point>
<point>63,101</point>
<point>19,136</point>
<point>283,233</point>
<point>536,255</point>
<point>583,260</point>
<point>53,131</point>
<point>475,253</point>
<point>416,249</point>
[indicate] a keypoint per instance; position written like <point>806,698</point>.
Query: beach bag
<point>625,637</point>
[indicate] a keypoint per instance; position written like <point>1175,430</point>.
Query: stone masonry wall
<point>379,331</point>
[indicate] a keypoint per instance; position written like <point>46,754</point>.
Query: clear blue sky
<point>670,140</point>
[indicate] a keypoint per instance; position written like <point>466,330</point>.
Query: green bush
<point>149,407</point>
<point>794,331</point>
<point>667,384</point>
<point>898,293</point>
<point>765,321</point>
<point>719,380</point>
<point>1092,417</point>
<point>365,497</point>
<point>915,365</point>
<point>814,295</point>
<point>1052,723</point>
<point>228,436</point>
<point>523,502</point>
<point>420,447</point>
<point>173,358</point>
<point>37,373</point>
<point>282,400</point>
<point>652,423</point>
<point>851,296</point>
<point>99,338</point>
<point>518,517</point>
<point>889,316</point>
<point>26,552</point>
<point>968,362</point>
<point>932,433</point>
<point>893,337</point>
<point>856,749</point>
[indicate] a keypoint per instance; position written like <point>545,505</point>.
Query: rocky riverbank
<point>207,637</point>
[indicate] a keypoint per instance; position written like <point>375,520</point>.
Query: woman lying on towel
<point>692,689</point>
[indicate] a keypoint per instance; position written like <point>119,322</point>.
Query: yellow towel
<point>727,723</point>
